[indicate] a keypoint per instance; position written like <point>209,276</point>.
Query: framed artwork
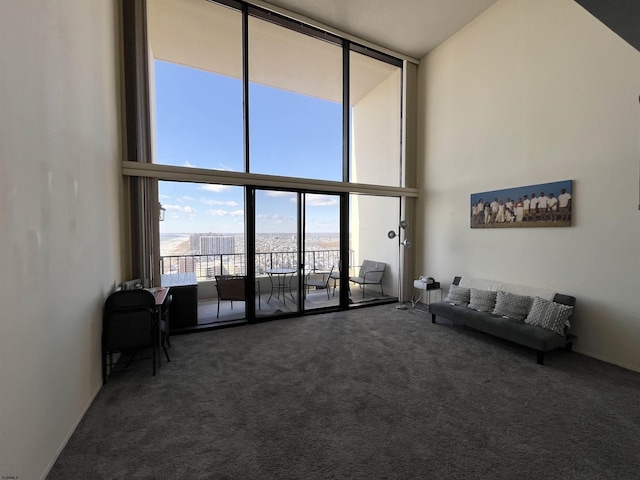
<point>542,205</point>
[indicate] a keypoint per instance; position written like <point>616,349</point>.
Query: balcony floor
<point>207,309</point>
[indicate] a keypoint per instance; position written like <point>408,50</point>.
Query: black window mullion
<point>245,85</point>
<point>346,111</point>
<point>302,232</point>
<point>344,250</point>
<point>250,251</point>
<point>346,169</point>
<point>369,52</point>
<point>292,24</point>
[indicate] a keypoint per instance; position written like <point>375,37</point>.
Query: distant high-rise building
<point>185,265</point>
<point>217,244</point>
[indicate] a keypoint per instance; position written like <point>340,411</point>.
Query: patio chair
<point>335,276</point>
<point>371,273</point>
<point>317,283</point>
<point>231,288</point>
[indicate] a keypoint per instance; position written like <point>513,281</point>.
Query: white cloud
<point>219,213</point>
<point>270,217</point>
<point>215,188</point>
<point>224,213</point>
<point>224,168</point>
<point>317,200</point>
<point>275,193</point>
<point>228,203</point>
<point>180,208</point>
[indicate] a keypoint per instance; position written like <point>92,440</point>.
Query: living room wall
<point>60,151</point>
<point>530,92</point>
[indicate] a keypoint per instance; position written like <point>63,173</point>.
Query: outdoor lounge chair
<point>231,287</point>
<point>371,273</point>
<point>318,283</point>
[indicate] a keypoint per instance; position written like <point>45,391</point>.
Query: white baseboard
<point>633,368</point>
<point>70,433</point>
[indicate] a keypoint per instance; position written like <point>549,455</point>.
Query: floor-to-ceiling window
<point>375,99</point>
<point>295,103</point>
<point>305,124</point>
<point>195,63</point>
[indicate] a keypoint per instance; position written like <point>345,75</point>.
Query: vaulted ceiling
<point>410,27</point>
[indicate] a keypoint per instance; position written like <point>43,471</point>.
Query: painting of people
<point>542,205</point>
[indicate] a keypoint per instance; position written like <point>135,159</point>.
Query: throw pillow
<point>482,300</point>
<point>458,295</point>
<point>550,315</point>
<point>511,305</point>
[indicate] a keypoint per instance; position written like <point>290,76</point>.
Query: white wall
<point>536,91</point>
<point>60,148</point>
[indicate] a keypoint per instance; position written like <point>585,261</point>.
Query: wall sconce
<point>162,210</point>
<point>406,243</point>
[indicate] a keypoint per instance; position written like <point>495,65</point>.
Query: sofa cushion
<point>482,300</point>
<point>550,315</point>
<point>458,295</point>
<point>512,306</point>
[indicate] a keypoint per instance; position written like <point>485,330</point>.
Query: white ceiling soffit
<point>409,27</point>
<point>203,35</point>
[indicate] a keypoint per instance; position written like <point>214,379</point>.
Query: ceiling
<point>409,27</point>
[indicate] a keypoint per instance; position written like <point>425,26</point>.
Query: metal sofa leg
<point>433,318</point>
<point>540,358</point>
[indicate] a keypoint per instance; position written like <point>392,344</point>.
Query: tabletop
<point>178,279</point>
<point>280,271</point>
<point>160,294</point>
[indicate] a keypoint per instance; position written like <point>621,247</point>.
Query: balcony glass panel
<point>277,253</point>
<point>321,250</point>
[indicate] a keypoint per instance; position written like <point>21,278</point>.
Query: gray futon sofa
<point>534,318</point>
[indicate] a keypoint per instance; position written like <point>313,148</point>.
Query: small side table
<point>425,288</point>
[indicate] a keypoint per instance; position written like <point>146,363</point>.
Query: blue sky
<point>199,124</point>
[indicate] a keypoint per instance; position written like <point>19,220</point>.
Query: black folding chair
<point>130,323</point>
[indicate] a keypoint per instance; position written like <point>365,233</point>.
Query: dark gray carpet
<point>373,393</point>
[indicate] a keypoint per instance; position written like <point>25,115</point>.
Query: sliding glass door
<point>297,251</point>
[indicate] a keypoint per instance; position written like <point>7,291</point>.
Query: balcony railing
<point>207,267</point>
